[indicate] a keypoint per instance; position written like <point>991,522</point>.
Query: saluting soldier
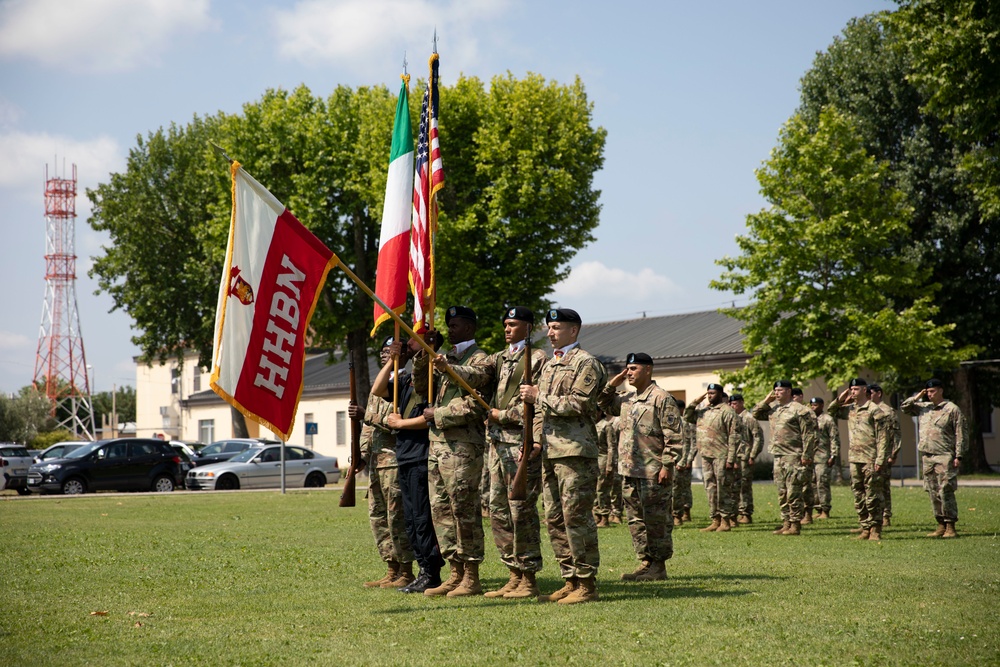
<point>565,401</point>
<point>719,438</point>
<point>793,441</point>
<point>827,455</point>
<point>944,440</point>
<point>682,471</point>
<point>895,444</point>
<point>649,445</point>
<point>515,524</point>
<point>753,444</point>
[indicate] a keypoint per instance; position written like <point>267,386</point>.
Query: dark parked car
<point>223,450</point>
<point>121,464</point>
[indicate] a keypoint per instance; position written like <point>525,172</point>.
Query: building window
<point>206,430</point>
<point>341,428</point>
<point>197,382</point>
<point>986,420</point>
<point>309,418</point>
<point>175,380</point>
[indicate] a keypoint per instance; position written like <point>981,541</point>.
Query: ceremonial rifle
<point>347,496</point>
<point>519,487</point>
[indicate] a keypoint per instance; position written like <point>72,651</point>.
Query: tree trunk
<point>968,401</point>
<point>358,339</point>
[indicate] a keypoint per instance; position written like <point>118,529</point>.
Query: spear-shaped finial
<point>221,151</point>
<point>435,39</point>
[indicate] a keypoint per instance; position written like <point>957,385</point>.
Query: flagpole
<point>431,209</point>
<point>395,373</point>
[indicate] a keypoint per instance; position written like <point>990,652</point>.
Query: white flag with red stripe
<point>273,275</point>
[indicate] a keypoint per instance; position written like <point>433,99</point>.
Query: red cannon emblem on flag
<point>240,288</point>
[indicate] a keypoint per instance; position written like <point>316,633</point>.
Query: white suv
<point>14,462</point>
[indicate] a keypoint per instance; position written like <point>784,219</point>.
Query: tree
<point>24,415</point>
<point>122,404</point>
<point>832,294</point>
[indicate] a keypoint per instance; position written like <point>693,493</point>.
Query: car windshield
<point>212,449</point>
<point>245,456</point>
<point>80,452</point>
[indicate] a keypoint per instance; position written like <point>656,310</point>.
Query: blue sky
<point>692,95</point>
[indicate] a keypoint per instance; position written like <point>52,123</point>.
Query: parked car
<point>188,456</point>
<point>260,468</point>
<point>59,450</point>
<point>223,450</point>
<point>14,462</point>
<point>120,464</point>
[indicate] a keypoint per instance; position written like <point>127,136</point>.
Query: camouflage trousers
<point>385,513</point>
<point>454,472</point>
<point>744,484</point>
<point>819,496</point>
<point>681,491</point>
<point>790,478</point>
<point>940,483</point>
<point>718,488</point>
<point>648,507</point>
<point>569,485</point>
<point>868,496</point>
<point>887,492</point>
<point>609,488</point>
<point>809,490</point>
<point>515,524</point>
<point>484,483</point>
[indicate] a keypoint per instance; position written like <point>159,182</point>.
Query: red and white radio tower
<point>60,365</point>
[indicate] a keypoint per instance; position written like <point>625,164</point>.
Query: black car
<point>121,464</point>
<point>223,450</point>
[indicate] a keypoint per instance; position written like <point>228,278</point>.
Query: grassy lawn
<point>265,579</point>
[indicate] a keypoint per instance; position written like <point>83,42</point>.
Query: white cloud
<point>596,282</point>
<point>362,32</point>
<point>15,341</point>
<point>23,157</point>
<point>96,35</point>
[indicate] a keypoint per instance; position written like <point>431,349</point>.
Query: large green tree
<point>24,415</point>
<point>831,292</point>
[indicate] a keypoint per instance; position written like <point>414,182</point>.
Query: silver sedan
<point>260,468</point>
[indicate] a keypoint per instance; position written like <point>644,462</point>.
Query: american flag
<point>428,178</point>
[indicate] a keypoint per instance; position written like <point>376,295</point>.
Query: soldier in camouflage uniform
<point>385,500</point>
<point>944,440</point>
<point>455,464</point>
<point>793,441</point>
<point>649,445</point>
<point>868,431</point>
<point>753,444</point>
<point>565,401</point>
<point>608,503</point>
<point>515,524</point>
<point>719,436</point>
<point>682,471</point>
<point>827,454</point>
<point>808,492</point>
<point>895,443</point>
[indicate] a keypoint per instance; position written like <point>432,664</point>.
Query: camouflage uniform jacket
<point>458,416</point>
<point>828,445</point>
<point>378,441</point>
<point>503,372</point>
<point>793,428</point>
<point>895,432</point>
<point>942,427</point>
<point>566,407</point>
<point>719,432</point>
<point>607,440</point>
<point>868,429</point>
<point>689,434</point>
<point>650,432</point>
<point>753,436</point>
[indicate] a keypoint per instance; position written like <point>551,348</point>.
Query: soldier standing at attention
<point>682,471</point>
<point>515,525</point>
<point>753,444</point>
<point>943,442</point>
<point>808,495</point>
<point>719,438</point>
<point>455,463</point>
<point>793,441</point>
<point>895,443</point>
<point>649,445</point>
<point>827,453</point>
<point>608,503</point>
<point>565,401</point>
<point>867,452</point>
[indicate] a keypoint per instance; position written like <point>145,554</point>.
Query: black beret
<point>797,392</point>
<point>875,387</point>
<point>859,382</point>
<point>817,400</point>
<point>519,313</point>
<point>783,383</point>
<point>933,382</point>
<point>736,397</point>
<point>388,341</point>
<point>563,315</point>
<point>639,358</point>
<point>460,311</point>
<point>716,387</point>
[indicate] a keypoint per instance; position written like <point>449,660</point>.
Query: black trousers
<point>417,514</point>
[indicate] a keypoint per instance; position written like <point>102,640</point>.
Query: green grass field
<point>264,579</point>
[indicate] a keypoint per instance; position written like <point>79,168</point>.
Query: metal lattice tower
<point>60,365</point>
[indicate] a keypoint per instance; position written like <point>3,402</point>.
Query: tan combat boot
<point>677,521</point>
<point>939,531</point>
<point>470,582</point>
<point>823,515</point>
<point>687,516</point>
<point>602,521</point>
<point>632,576</point>
<point>865,534</point>
<point>744,519</point>
<point>724,526</point>
<point>586,591</point>
<point>510,586</point>
<point>716,522</point>
<point>404,578</point>
<point>782,528</point>
<point>657,571</point>
<point>392,572</point>
<point>794,528</point>
<point>569,586</point>
<point>808,518</point>
<point>615,519</point>
<point>886,521</point>
<point>451,583</point>
<point>876,533</point>
<point>949,529</point>
<point>527,587</point>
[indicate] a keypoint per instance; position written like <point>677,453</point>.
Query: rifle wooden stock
<point>347,498</point>
<point>519,487</point>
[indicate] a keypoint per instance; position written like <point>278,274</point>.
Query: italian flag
<point>393,248</point>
